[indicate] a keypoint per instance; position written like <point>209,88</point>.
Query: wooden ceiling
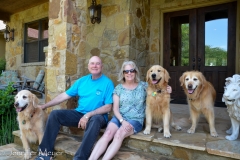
<point>9,7</point>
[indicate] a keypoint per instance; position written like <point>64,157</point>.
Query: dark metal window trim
<point>40,39</point>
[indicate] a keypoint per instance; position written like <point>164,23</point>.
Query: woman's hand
<point>127,126</point>
<point>169,89</point>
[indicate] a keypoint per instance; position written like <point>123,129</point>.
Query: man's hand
<point>41,106</point>
<point>83,122</point>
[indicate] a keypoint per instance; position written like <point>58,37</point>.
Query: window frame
<point>40,51</point>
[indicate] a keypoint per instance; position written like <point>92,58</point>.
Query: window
<point>35,39</point>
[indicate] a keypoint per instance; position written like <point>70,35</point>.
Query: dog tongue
<point>154,81</point>
<point>190,91</point>
<point>18,109</point>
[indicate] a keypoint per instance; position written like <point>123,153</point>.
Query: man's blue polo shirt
<point>92,93</point>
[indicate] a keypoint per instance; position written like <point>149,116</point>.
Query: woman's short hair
<point>121,75</point>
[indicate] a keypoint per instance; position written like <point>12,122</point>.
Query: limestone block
<point>155,45</point>
<point>82,48</point>
<point>56,60</point>
<point>60,36</point>
<point>51,80</point>
<point>120,21</point>
<point>55,8</point>
<point>110,34</point>
<point>71,63</point>
<point>98,30</point>
<point>123,38</point>
<point>92,40</point>
<point>95,52</point>
<point>110,10</point>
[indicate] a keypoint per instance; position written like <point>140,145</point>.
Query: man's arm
<point>59,99</point>
<point>102,110</point>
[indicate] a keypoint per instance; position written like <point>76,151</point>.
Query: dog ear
<point>166,76</point>
<point>147,76</point>
<point>34,100</point>
<point>181,79</point>
<point>202,79</point>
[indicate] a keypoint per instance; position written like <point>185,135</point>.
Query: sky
<point>216,33</point>
<point>2,25</point>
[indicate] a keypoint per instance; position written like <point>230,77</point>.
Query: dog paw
<point>167,135</point>
<point>178,128</point>
<point>27,155</point>
<point>214,134</point>
<point>191,131</point>
<point>146,131</point>
<point>160,129</point>
<point>231,138</point>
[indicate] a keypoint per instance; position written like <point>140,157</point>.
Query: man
<point>95,100</point>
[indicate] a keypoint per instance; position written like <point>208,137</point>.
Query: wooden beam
<point>4,16</point>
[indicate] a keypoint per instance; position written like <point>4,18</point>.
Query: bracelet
<point>85,116</point>
<point>121,120</point>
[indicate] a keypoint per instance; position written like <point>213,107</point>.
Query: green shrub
<point>2,65</point>
<point>8,121</point>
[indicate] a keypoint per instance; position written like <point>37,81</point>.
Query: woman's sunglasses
<point>127,71</point>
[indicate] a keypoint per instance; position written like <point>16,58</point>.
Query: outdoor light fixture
<point>9,34</point>
<point>95,12</point>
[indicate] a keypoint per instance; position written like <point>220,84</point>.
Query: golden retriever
<point>31,119</point>
<point>158,101</point>
<point>200,97</point>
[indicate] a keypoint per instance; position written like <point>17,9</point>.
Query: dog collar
<point>24,121</point>
<point>158,91</point>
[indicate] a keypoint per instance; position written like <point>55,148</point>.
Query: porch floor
<point>198,146</point>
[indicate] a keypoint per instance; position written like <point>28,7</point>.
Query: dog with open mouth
<point>200,97</point>
<point>31,119</point>
<point>158,102</point>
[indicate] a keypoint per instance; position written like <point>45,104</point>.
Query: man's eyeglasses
<point>127,71</point>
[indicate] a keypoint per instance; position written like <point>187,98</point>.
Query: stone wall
<point>2,46</point>
<point>14,49</point>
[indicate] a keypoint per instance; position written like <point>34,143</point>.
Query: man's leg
<point>90,137</point>
<point>56,119</point>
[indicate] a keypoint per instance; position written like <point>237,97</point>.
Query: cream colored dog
<point>200,96</point>
<point>158,101</point>
<point>31,119</point>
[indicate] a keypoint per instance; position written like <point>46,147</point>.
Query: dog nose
<point>16,104</point>
<point>153,75</point>
<point>190,86</point>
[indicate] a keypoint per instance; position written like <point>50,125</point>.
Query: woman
<point>129,103</point>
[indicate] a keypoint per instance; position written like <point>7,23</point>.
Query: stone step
<point>154,146</point>
<point>181,145</point>
<point>14,151</point>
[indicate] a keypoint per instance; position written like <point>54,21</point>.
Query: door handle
<point>193,66</point>
<point>193,59</point>
<point>199,66</point>
<point>199,59</point>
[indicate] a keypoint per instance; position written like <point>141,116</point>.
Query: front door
<point>200,39</point>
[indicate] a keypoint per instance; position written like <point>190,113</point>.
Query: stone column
<point>66,19</point>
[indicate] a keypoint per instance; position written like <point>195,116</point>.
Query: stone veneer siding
<point>129,30</point>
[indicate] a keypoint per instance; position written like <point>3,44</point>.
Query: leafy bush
<point>2,65</point>
<point>8,121</point>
